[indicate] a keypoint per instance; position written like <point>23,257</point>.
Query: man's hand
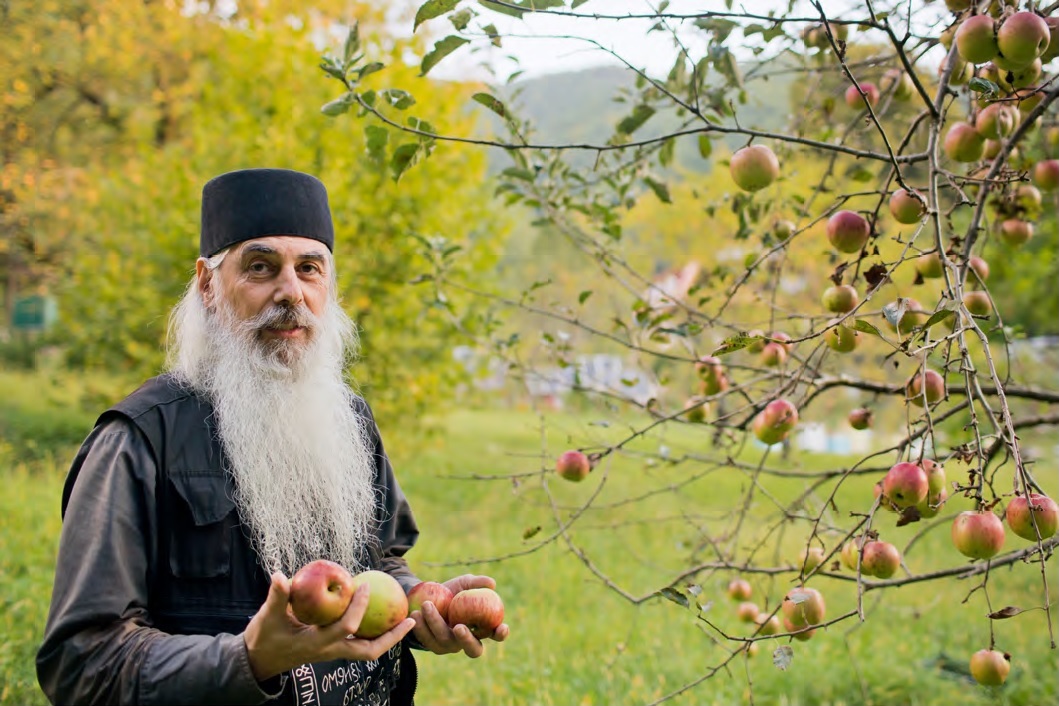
<point>276,641</point>
<point>434,633</point>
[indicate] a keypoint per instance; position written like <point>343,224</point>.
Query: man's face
<point>271,275</point>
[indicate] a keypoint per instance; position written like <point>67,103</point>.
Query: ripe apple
<point>387,604</point>
<point>979,535</point>
<point>927,383</point>
<point>754,167</point>
<point>1011,77</point>
<point>480,609</point>
<point>992,149</point>
<point>1028,197</point>
<point>976,39</point>
<point>851,550</point>
<point>931,506</point>
<point>990,667</point>
<point>860,418</point>
<point>711,372</point>
<point>783,339</point>
<point>1014,231</point>
<point>773,354</point>
<point>871,94</point>
<point>1023,512</point>
<point>573,466</point>
<point>432,591</point>
<point>907,207</point>
<point>980,268</point>
<point>769,625</point>
<point>848,231</point>
<point>803,635</point>
<point>775,421</point>
<point>963,143</point>
<point>884,502</point>
<point>901,83</point>
<point>739,590</point>
<point>929,265</point>
<point>783,229</point>
<point>695,409</point>
<point>880,559</point>
<point>841,338</point>
<point>905,484</point>
<point>840,299</point>
<point>1028,99</point>
<point>803,606</point>
<point>1046,174</point>
<point>810,558</point>
<point>752,649</point>
<point>977,302</point>
<point>997,120</point>
<point>320,592</point>
<point>1022,37</point>
<point>747,612</point>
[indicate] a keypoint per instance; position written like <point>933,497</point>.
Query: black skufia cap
<point>254,203</point>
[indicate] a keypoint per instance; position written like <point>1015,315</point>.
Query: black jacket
<point>157,578</point>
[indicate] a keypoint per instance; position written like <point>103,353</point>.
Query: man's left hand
<point>434,633</point>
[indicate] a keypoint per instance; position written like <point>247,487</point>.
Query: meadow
<point>574,640</point>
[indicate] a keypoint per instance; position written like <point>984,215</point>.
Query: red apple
<point>1022,513</point>
<point>848,231</point>
<point>747,612</point>
<point>775,421</point>
<point>711,372</point>
<point>800,633</point>
<point>979,535</point>
<point>1046,174</point>
<point>387,604</point>
<point>1023,37</point>
<point>840,299</point>
<point>573,466</point>
<point>754,167</point>
<point>976,39</point>
<point>769,625</point>
<point>320,592</point>
<point>905,484</point>
<point>963,143</point>
<point>773,354</point>
<point>803,606</point>
<point>783,339</point>
<point>926,383</point>
<point>980,268</point>
<point>990,668</point>
<point>907,207</point>
<point>880,559</point>
<point>997,120</point>
<point>870,93</point>
<point>739,589</point>
<point>860,418</point>
<point>480,609</point>
<point>1014,231</point>
<point>432,591</point>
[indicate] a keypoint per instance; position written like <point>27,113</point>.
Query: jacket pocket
<point>203,519</point>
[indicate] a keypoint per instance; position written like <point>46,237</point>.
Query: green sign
<point>34,313</point>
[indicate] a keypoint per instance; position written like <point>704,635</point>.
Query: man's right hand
<point>276,642</point>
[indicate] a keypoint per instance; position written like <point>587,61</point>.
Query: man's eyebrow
<point>260,249</point>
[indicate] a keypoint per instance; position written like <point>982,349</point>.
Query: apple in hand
<point>432,591</point>
<point>320,592</point>
<point>387,603</point>
<point>480,609</point>
<point>1022,512</point>
<point>978,535</point>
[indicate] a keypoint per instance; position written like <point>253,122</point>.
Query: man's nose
<point>288,288</point>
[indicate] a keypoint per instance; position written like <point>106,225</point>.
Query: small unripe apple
<point>758,345</point>
<point>773,354</point>
<point>931,505</point>
<point>978,535</point>
<point>810,558</point>
<point>480,609</point>
<point>775,421</point>
<point>387,603</point>
<point>754,167</point>
<point>848,231</point>
<point>840,299</point>
<point>935,475</point>
<point>976,39</point>
<point>747,612</point>
<point>804,606</point>
<point>929,265</point>
<point>905,484</point>
<point>980,268</point>
<point>711,372</point>
<point>696,409</point>
<point>977,302</point>
<point>880,559</point>
<point>926,383</point>
<point>860,418</point>
<point>851,552</point>
<point>901,83</point>
<point>1022,37</point>
<point>783,229</point>
<point>769,625</point>
<point>907,207</point>
<point>1015,231</point>
<point>958,5</point>
<point>573,465</point>
<point>432,591</point>
<point>854,99</point>
<point>320,592</point>
<point>1046,174</point>
<point>1029,198</point>
<point>841,338</point>
<point>1022,513</point>
<point>739,590</point>
<point>997,120</point>
<point>990,668</point>
<point>963,143</point>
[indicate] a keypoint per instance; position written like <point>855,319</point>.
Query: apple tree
<point>871,255</point>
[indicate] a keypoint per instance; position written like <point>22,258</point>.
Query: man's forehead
<point>283,244</point>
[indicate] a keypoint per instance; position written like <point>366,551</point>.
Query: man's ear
<point>204,279</point>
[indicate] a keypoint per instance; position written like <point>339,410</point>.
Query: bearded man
<point>193,500</point>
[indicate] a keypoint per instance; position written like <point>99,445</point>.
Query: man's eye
<point>310,268</point>
<point>258,267</point>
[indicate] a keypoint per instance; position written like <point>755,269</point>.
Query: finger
<point>278,594</point>
<point>350,620</point>
<point>373,649</point>
<point>470,644</point>
<point>435,622</point>
<point>501,633</point>
<point>466,581</point>
<point>424,635</point>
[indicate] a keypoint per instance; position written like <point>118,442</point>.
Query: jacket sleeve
<point>99,643</point>
<point>397,529</point>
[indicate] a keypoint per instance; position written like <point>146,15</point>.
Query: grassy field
<point>576,641</point>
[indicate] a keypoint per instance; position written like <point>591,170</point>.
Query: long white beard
<point>295,446</point>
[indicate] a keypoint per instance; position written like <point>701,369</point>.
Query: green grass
<point>575,641</point>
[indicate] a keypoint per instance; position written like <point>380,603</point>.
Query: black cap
<point>254,203</point>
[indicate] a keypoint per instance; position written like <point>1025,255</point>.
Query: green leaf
<point>398,98</point>
<point>666,152</point>
<point>352,43</point>
<point>735,343</point>
<point>583,296</point>
<point>442,48</point>
<point>675,596</point>
<point>660,189</point>
<point>865,327</point>
<point>515,12</point>
<point>640,115</point>
<point>517,173</point>
<point>338,105</point>
<point>782,656</point>
<point>404,157</point>
<point>431,9</point>
<point>705,146</point>
<point>983,85</point>
<point>578,3</point>
<point>494,36</point>
<point>937,317</point>
<point>377,137</point>
<point>461,19</point>
<point>371,68</point>
<point>490,102</point>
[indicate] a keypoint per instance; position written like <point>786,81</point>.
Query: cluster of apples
<point>322,590</point>
<point>802,609</point>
